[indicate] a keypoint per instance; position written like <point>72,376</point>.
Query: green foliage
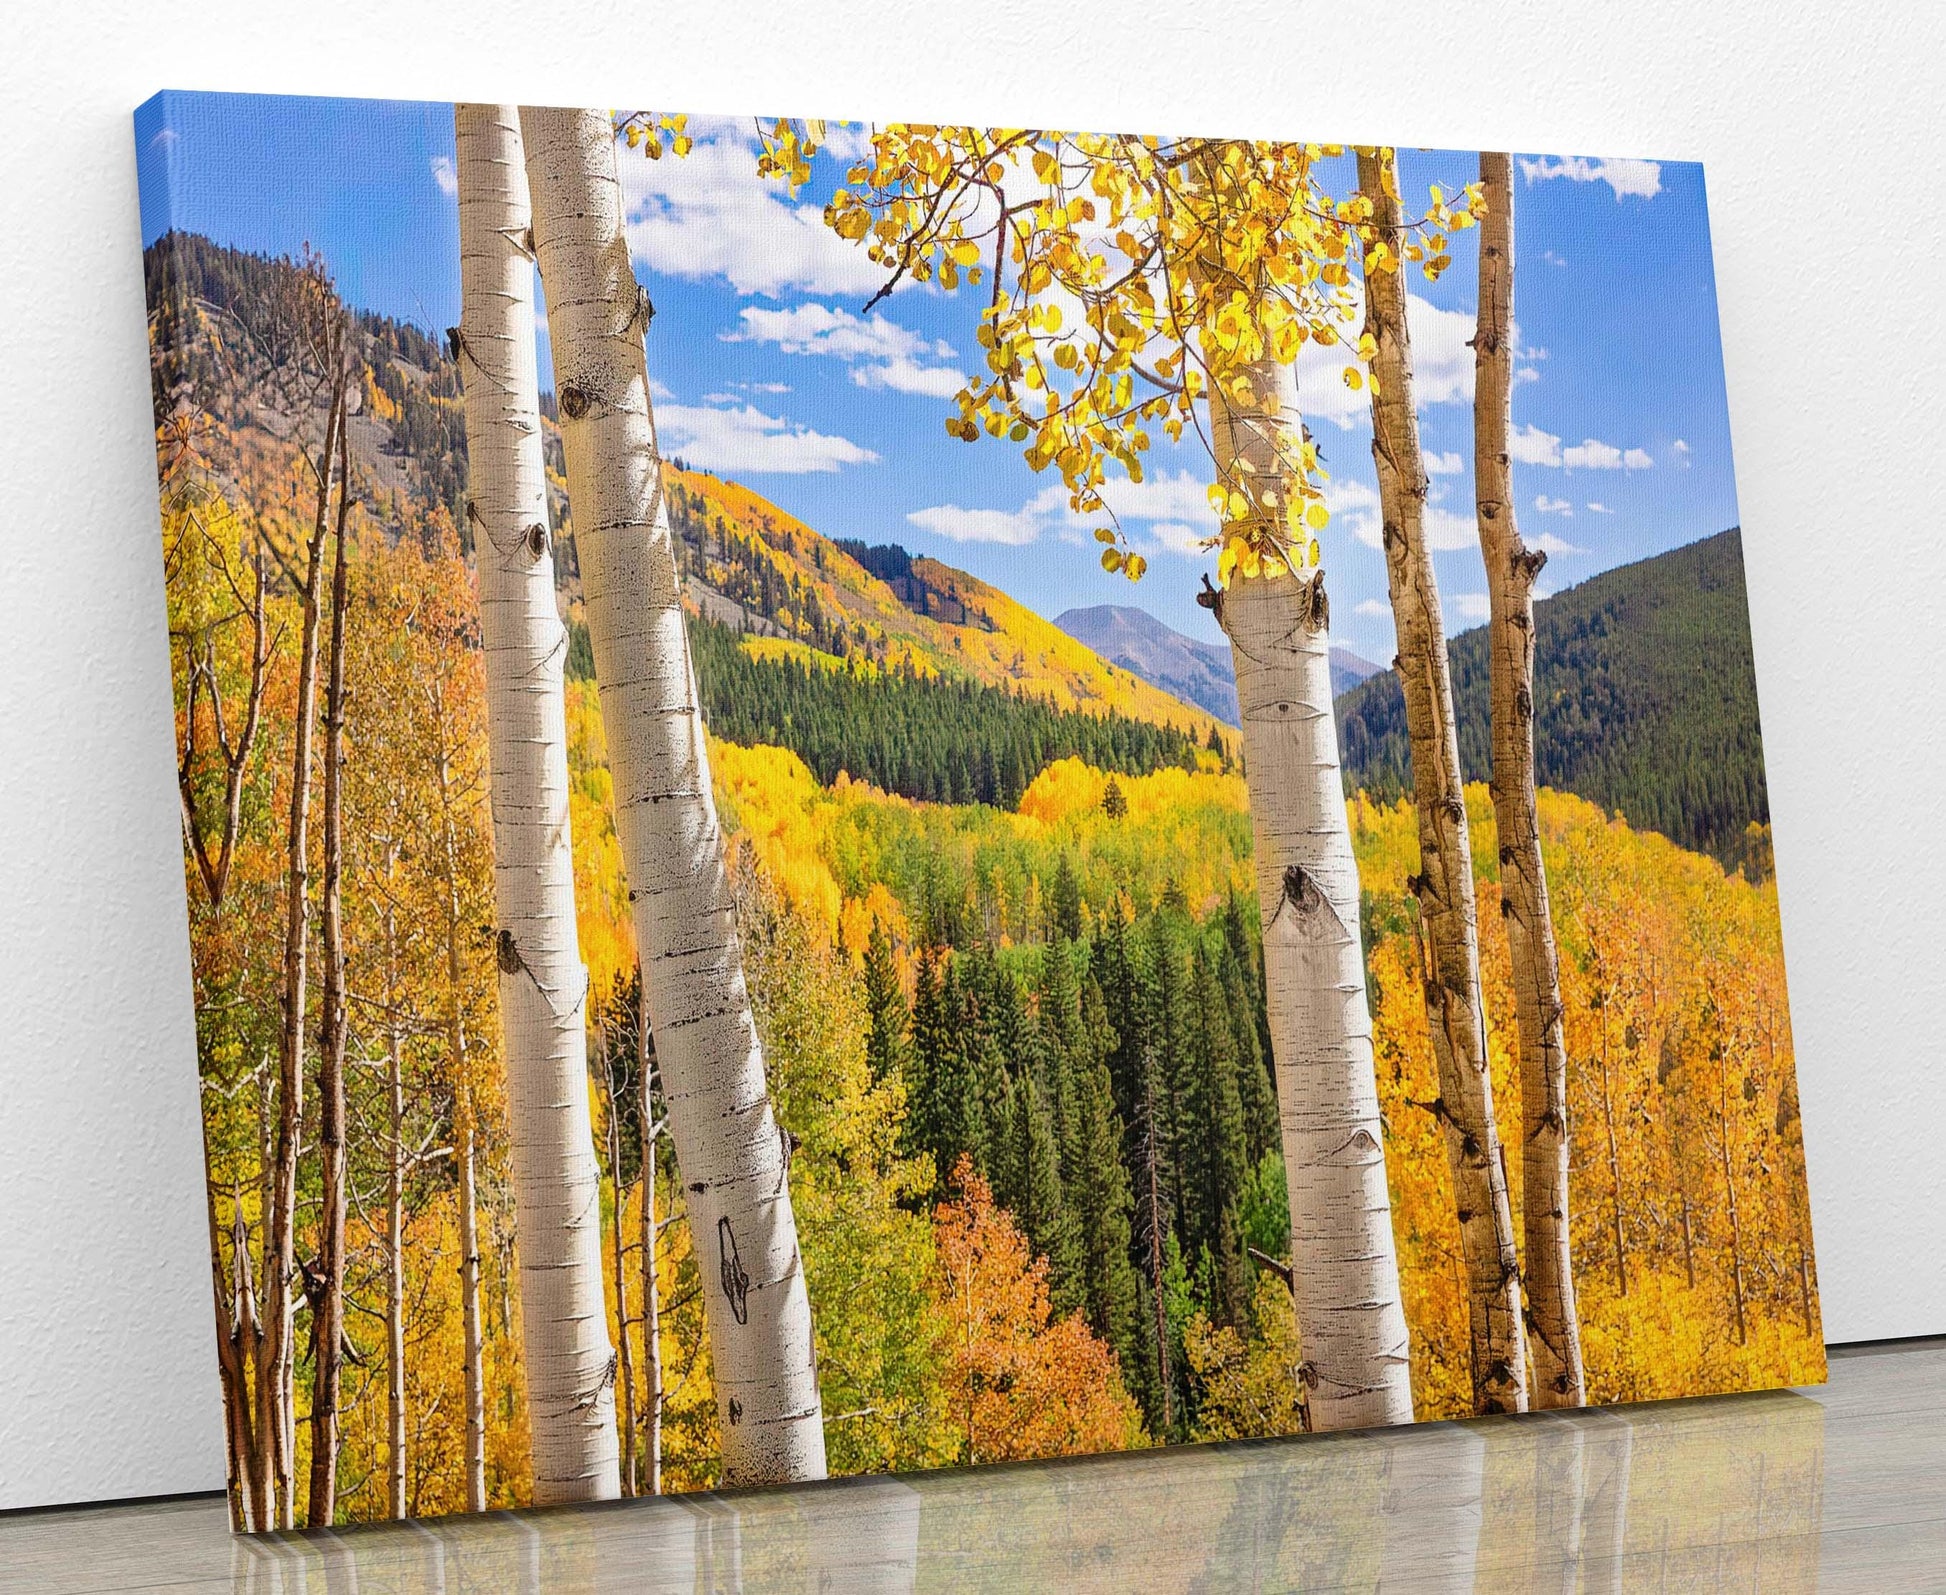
<point>853,1189</point>
<point>924,737</point>
<point>1645,702</point>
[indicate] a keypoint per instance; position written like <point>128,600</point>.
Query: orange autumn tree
<point>1018,1385</point>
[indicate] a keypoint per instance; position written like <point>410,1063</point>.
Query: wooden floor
<point>1842,1488</point>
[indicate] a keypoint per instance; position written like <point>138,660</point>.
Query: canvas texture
<point>860,798</point>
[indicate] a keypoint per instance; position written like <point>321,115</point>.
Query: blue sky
<point>766,372</point>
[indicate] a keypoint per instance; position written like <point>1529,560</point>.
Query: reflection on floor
<point>1842,1488</point>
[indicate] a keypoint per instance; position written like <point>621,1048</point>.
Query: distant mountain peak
<point>1199,672</point>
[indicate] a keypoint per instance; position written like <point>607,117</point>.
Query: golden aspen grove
<point>1048,1056</point>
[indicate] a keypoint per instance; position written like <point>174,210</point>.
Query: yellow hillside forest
<point>1691,1237</point>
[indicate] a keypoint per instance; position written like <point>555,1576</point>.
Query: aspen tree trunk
<point>651,1236</point>
<point>464,1125</point>
<point>624,1351</point>
<point>247,1327</point>
<point>1444,885</point>
<point>328,1309</point>
<point>233,1363</point>
<point>274,1372</point>
<point>1344,1269</point>
<point>570,1366</point>
<point>1554,1347</point>
<point>394,1214</point>
<point>1730,1185</point>
<point>733,1154</point>
<point>1614,1152</point>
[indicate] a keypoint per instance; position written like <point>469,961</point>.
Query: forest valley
<point>997,908</point>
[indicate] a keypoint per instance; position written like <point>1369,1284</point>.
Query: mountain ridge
<point>1185,667</point>
<point>1645,701</point>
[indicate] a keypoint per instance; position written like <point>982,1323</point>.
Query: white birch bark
<point>569,1363</point>
<point>733,1155</point>
<point>1344,1266</point>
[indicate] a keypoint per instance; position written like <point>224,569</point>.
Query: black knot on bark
<point>537,540</point>
<point>1315,605</point>
<point>574,403</point>
<point>1523,703</point>
<point>1455,810</point>
<point>736,1283</point>
<point>1300,891</point>
<point>507,954</point>
<point>1527,562</point>
<point>455,341</point>
<point>736,1411</point>
<point>1211,598</point>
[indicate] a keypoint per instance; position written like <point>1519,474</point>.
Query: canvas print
<point>865,797</point>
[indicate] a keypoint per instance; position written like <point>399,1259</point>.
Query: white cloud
<point>1591,454</point>
<point>1355,507</point>
<point>708,214</point>
<point>1447,532</point>
<point>1178,538</point>
<point>1165,496</point>
<point>1445,464</point>
<point>849,142</point>
<point>742,438</point>
<point>1373,608</point>
<point>1641,179</point>
<point>978,526</point>
<point>1468,606</point>
<point>1553,506</point>
<point>1598,509</point>
<point>880,352</point>
<point>1551,258</point>
<point>1442,364</point>
<point>1529,445</point>
<point>1548,543</point>
<point>444,175</point>
<point>1167,509</point>
<point>1681,451</point>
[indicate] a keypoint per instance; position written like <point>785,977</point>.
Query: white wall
<point>1821,130</point>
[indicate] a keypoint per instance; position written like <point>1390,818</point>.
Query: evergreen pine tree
<point>1255,1090</point>
<point>1032,1189</point>
<point>1099,1193</point>
<point>886,1042</point>
<point>1064,911</point>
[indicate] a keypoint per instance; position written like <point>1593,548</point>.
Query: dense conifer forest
<point>924,737</point>
<point>1645,701</point>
